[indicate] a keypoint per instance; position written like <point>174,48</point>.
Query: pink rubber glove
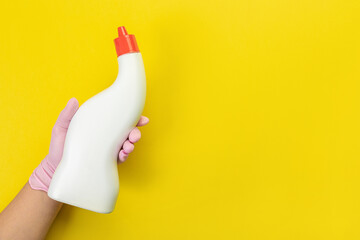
<point>41,177</point>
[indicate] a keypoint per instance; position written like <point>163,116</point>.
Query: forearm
<point>29,216</point>
<point>31,213</point>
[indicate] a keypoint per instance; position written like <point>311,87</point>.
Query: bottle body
<point>87,175</point>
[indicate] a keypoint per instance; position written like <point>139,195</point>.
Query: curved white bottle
<point>87,175</point>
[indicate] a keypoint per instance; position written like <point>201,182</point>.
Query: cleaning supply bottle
<point>87,176</point>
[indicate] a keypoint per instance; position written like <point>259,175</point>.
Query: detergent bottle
<point>87,175</point>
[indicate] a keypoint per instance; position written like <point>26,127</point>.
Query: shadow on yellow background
<point>253,107</point>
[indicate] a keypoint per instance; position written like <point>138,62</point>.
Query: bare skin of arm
<point>29,215</point>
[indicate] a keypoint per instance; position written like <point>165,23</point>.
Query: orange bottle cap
<point>125,43</point>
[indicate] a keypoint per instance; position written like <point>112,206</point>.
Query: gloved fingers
<point>128,147</point>
<point>134,136</point>
<point>122,156</point>
<point>143,121</point>
<point>67,114</point>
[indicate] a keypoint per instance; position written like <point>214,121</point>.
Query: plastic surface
<point>87,175</point>
<point>125,43</point>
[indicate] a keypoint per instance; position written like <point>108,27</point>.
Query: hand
<point>42,175</point>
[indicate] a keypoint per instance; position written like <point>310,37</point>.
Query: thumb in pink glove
<point>41,177</point>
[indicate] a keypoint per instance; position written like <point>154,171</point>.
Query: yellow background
<point>254,108</point>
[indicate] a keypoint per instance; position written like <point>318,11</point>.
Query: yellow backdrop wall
<point>253,105</point>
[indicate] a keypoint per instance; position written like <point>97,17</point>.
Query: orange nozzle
<point>122,31</point>
<point>125,43</point>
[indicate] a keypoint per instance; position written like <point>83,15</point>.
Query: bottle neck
<point>130,68</point>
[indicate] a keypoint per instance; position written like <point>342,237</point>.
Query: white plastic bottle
<point>87,175</point>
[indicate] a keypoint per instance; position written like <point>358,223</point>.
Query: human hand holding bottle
<point>31,213</point>
<point>41,177</point>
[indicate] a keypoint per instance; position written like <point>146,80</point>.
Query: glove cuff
<point>41,177</point>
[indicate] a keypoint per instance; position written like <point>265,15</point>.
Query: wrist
<point>41,177</point>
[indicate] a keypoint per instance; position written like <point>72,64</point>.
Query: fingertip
<point>143,121</point>
<point>128,147</point>
<point>134,135</point>
<point>122,156</point>
<point>67,113</point>
<point>71,108</point>
<point>73,103</point>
